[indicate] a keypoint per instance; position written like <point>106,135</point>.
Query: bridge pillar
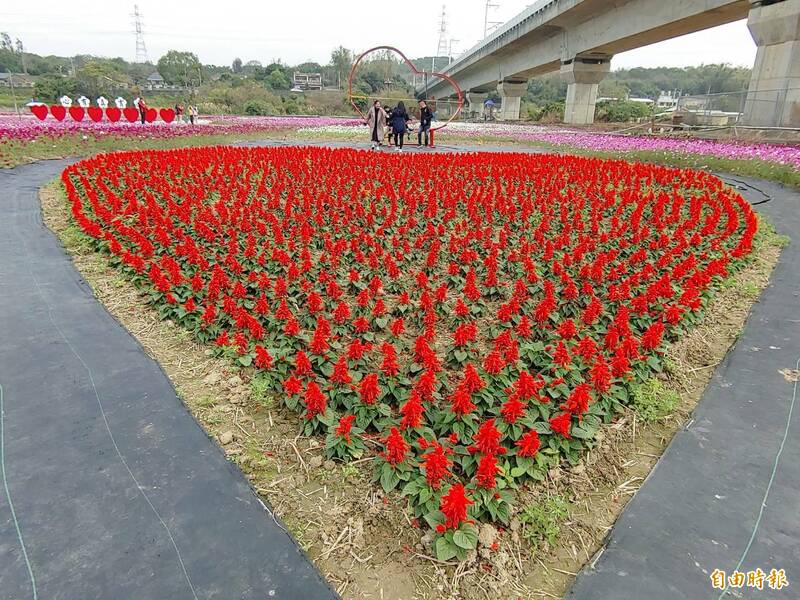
<point>476,100</point>
<point>773,98</point>
<point>511,93</point>
<point>583,77</point>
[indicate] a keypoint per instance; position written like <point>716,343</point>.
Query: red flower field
<point>473,318</point>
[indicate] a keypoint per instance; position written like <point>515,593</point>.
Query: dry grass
<point>361,538</point>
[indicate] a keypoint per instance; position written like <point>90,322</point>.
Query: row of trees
<point>382,74</point>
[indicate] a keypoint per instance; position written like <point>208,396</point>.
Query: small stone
<point>329,465</point>
<point>226,437</point>
<point>515,524</point>
<point>212,378</point>
<point>487,534</point>
<point>315,462</point>
<point>427,539</point>
<point>578,469</point>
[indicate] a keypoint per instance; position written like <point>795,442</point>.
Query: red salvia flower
<point>314,400</point>
<point>389,365</point>
<point>561,424</point>
<point>436,464</point>
<point>368,389</point>
<point>263,358</point>
<point>412,411</point>
<point>472,380</point>
<point>340,373</point>
<point>493,363</point>
<point>396,447</point>
<point>601,375</point>
<point>528,444</point>
<point>302,366</point>
<point>461,401</point>
<point>487,438</point>
<point>651,338</point>
<point>454,505</point>
<point>561,356</point>
<point>578,401</point>
<point>512,409</point>
<point>567,329</point>
<point>487,472</point>
<point>397,327</point>
<point>292,386</point>
<point>345,427</point>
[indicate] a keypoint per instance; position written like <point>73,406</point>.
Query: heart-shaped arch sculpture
<point>411,66</point>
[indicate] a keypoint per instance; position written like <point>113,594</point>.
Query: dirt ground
<point>362,539</point>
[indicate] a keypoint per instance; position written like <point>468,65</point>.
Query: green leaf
<point>444,549</point>
<point>389,480</point>
<point>466,537</point>
<point>518,472</point>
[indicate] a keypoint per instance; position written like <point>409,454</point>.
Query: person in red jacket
<point>142,110</point>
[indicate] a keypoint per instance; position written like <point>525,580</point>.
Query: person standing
<point>179,112</point>
<point>191,114</point>
<point>376,120</point>
<point>425,118</point>
<point>142,110</point>
<point>400,119</point>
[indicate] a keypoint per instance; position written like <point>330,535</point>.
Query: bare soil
<point>362,539</point>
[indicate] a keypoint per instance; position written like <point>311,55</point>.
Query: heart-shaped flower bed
<point>470,319</point>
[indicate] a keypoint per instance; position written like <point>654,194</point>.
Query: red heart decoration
<point>131,114</point>
<point>414,70</point>
<point>58,111</point>
<point>150,115</point>
<point>113,114</point>
<point>95,113</point>
<point>40,110</point>
<point>167,114</point>
<point>76,112</point>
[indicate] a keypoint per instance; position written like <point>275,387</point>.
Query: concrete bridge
<point>578,38</point>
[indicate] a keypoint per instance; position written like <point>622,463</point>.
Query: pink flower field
<point>27,127</point>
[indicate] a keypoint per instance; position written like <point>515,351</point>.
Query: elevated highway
<point>579,38</point>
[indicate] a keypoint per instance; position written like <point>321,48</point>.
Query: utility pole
<point>13,93</point>
<point>21,51</point>
<point>450,49</point>
<point>141,49</point>
<point>487,24</point>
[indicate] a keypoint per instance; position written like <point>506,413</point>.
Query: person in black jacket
<point>425,118</point>
<point>398,121</point>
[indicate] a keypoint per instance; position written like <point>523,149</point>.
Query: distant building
<point>668,100</point>
<point>20,80</point>
<point>307,81</point>
<point>155,81</point>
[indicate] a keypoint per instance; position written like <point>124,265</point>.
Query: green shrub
<point>542,522</point>
<point>621,111</point>
<point>653,401</point>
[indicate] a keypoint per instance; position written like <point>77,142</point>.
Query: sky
<point>299,30</point>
